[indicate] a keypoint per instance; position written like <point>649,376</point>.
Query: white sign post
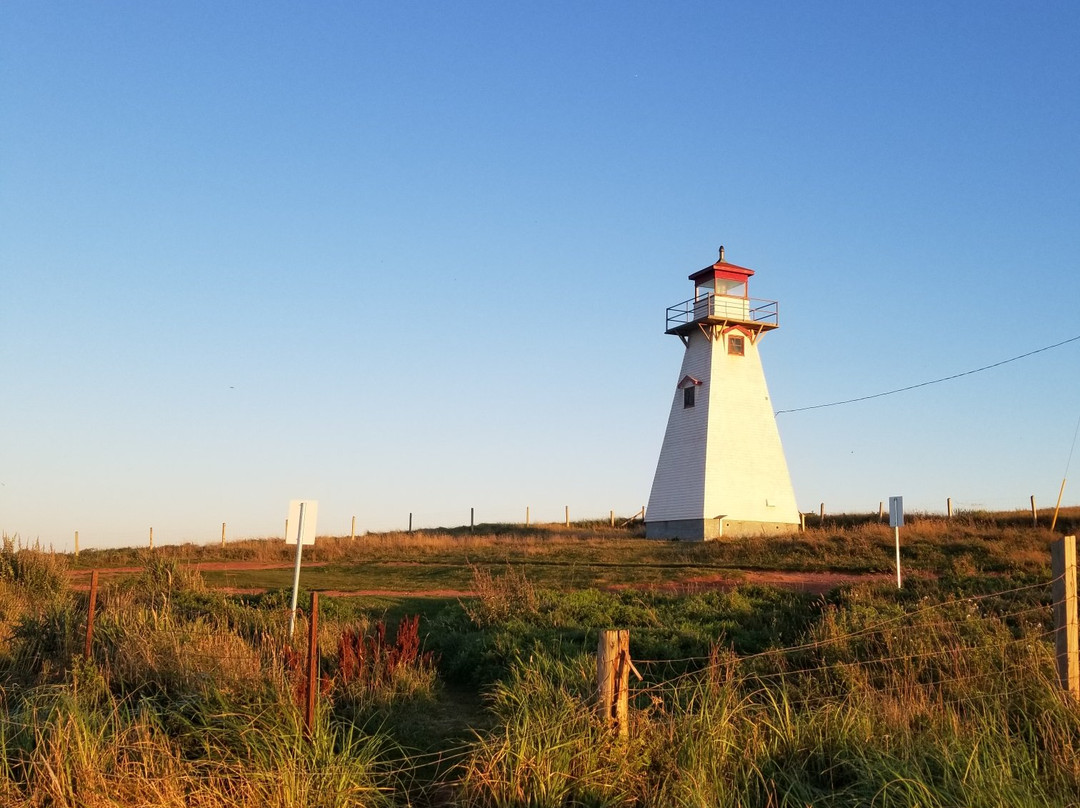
<point>896,521</point>
<point>303,513</point>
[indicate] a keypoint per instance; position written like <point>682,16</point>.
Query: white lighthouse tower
<point>722,470</point>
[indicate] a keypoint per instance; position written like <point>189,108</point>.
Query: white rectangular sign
<point>311,512</point>
<point>896,511</point>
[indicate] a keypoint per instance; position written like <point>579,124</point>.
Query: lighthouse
<point>721,471</point>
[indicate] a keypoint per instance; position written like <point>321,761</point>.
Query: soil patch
<point>814,582</point>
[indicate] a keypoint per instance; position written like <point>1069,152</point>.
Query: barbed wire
<point>839,664</point>
<point>873,628</point>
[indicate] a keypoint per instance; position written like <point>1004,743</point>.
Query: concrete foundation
<point>712,529</point>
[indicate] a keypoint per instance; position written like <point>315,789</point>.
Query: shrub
<point>370,669</point>
<point>35,572</point>
<point>500,597</point>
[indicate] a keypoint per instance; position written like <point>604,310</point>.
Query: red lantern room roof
<point>721,269</point>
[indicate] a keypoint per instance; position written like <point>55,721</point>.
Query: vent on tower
<point>688,385</point>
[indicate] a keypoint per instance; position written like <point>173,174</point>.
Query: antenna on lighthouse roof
<point>721,253</point>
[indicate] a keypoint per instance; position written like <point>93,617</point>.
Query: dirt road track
<point>814,582</point>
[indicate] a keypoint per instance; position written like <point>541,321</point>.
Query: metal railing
<point>723,307</point>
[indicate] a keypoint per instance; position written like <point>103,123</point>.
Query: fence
<point>822,512</point>
<point>614,664</point>
<point>819,518</point>
<point>628,691</point>
<point>613,520</point>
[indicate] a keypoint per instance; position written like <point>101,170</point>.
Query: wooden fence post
<point>352,530</point>
<point>91,607</point>
<point>613,518</point>
<point>822,517</point>
<point>76,544</point>
<point>1067,636</point>
<point>568,516</point>
<point>526,516</point>
<point>1053,522</point>
<point>410,521</point>
<point>222,534</point>
<point>151,538</point>
<point>881,511</point>
<point>313,664</point>
<point>613,679</point>
<point>948,507</point>
<point>1034,513</point>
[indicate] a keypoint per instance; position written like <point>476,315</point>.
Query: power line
<point>934,381</point>
<point>1071,448</point>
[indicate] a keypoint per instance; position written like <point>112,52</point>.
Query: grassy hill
<point>942,693</point>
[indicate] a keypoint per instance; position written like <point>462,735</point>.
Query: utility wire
<point>934,381</point>
<point>1072,448</point>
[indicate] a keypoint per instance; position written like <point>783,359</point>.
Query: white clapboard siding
<point>722,458</point>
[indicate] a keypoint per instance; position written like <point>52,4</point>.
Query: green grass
<point>940,694</point>
<point>596,555</point>
<point>966,711</point>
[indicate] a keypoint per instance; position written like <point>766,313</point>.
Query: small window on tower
<point>736,346</point>
<point>688,397</point>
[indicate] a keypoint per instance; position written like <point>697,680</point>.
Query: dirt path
<point>814,582</point>
<point>201,566</point>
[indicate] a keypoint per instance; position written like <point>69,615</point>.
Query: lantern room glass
<point>720,286</point>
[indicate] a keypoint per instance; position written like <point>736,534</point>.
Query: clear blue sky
<point>414,257</point>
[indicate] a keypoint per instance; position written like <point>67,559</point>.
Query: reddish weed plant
<point>370,666</point>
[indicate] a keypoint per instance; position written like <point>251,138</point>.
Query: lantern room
<point>721,297</point>
<point>721,278</point>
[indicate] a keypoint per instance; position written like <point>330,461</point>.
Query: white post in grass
<point>306,512</point>
<point>896,521</point>
<point>296,572</point>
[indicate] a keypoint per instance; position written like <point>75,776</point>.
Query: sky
<point>414,257</point>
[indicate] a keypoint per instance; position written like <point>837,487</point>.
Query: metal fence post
<point>313,664</point>
<point>91,607</point>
